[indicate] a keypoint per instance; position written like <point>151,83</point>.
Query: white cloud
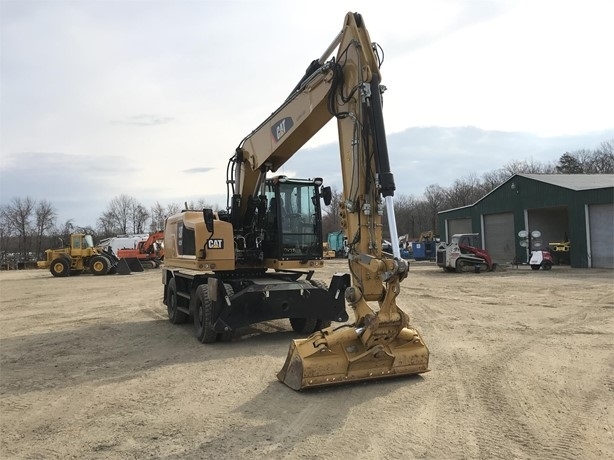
<point>158,88</point>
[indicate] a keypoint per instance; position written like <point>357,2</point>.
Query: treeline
<point>28,227</point>
<point>415,215</point>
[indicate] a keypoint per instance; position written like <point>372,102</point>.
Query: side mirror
<point>327,195</point>
<point>208,218</point>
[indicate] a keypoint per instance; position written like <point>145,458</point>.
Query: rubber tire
<point>100,265</point>
<point>547,266</point>
<point>203,316</point>
<point>304,325</point>
<point>321,324</point>
<point>534,267</point>
<point>174,315</point>
<point>60,267</point>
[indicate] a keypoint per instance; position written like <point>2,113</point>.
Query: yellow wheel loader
<point>79,257</point>
<point>256,261</point>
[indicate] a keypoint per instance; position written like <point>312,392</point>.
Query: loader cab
<point>80,244</point>
<point>293,219</point>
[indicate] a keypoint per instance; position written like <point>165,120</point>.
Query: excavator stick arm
<point>380,343</point>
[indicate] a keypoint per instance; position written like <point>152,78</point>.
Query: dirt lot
<point>522,367</point>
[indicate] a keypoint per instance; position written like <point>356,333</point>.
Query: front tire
<point>60,267</point>
<point>534,267</point>
<point>174,315</point>
<point>100,265</point>
<point>304,325</point>
<point>203,316</point>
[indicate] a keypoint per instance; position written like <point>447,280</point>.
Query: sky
<point>149,99</point>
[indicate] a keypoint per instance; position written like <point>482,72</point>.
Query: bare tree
<point>464,192</point>
<point>331,218</point>
<point>492,179</point>
<point>604,158</point>
<point>106,224</point>
<point>574,163</point>
<point>123,214</point>
<point>405,213</point>
<point>140,216</point>
<point>45,220</point>
<point>527,167</point>
<point>158,215</point>
<point>19,214</point>
<point>435,196</point>
<point>6,232</point>
<point>201,204</point>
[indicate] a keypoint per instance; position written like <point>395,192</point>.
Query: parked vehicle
<point>463,254</point>
<point>81,256</point>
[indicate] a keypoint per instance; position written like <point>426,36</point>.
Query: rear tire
<point>304,325</point>
<point>100,265</point>
<point>174,315</point>
<point>60,267</point>
<point>547,266</point>
<point>203,315</point>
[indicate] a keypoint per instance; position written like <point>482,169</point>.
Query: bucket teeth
<point>310,363</point>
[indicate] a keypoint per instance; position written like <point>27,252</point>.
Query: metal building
<point>578,208</point>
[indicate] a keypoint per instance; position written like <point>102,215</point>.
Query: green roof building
<point>574,208</point>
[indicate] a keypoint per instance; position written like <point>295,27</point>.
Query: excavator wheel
<point>310,325</point>
<point>60,267</point>
<point>304,325</point>
<point>321,324</point>
<point>203,316</point>
<point>174,315</point>
<point>100,265</point>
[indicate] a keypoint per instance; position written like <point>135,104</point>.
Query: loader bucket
<point>122,267</point>
<point>134,264</point>
<point>332,357</point>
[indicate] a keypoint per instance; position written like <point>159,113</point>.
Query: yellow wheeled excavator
<point>256,261</point>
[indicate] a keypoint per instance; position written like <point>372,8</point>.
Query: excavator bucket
<point>122,267</point>
<point>134,264</point>
<point>332,357</point>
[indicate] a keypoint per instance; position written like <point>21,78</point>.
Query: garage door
<point>601,222</point>
<point>499,237</point>
<point>458,226</point>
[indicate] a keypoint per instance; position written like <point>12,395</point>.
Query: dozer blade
<point>122,267</point>
<point>331,357</point>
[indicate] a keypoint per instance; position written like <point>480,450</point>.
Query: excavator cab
<point>293,219</point>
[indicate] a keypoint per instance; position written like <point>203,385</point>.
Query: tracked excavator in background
<point>256,261</point>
